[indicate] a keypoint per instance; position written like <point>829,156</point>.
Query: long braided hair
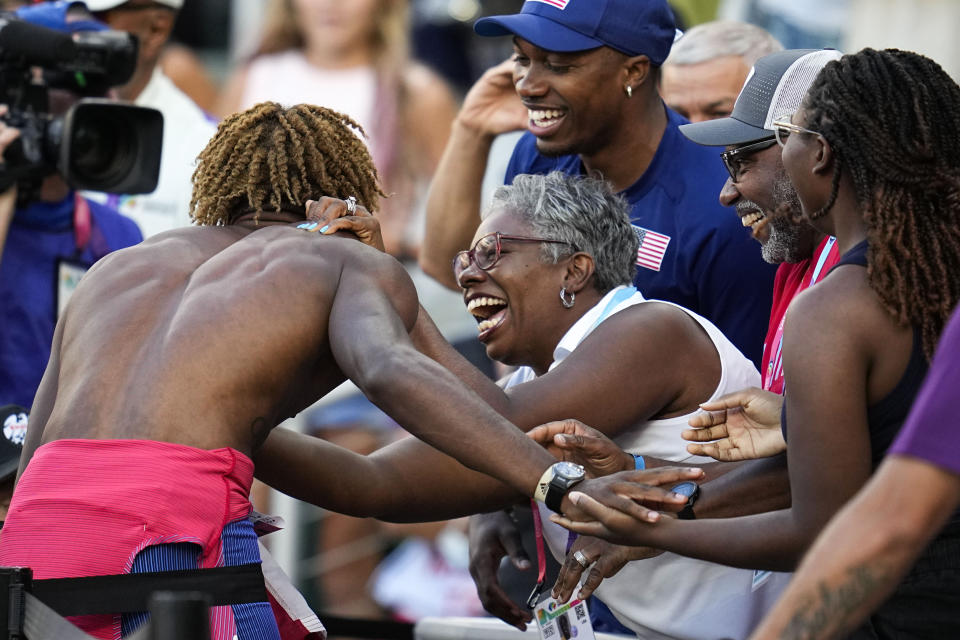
<point>274,158</point>
<point>892,119</point>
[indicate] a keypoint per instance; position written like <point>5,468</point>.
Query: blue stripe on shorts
<point>255,620</point>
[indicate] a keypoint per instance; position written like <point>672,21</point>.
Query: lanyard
<point>81,221</point>
<point>541,556</point>
<point>615,301</point>
<point>775,367</point>
<point>618,297</point>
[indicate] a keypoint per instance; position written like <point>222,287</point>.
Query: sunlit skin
<point>529,288</point>
<point>703,91</point>
<point>570,90</point>
<point>761,189</point>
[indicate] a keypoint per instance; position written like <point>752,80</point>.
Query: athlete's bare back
<point>206,336</point>
<point>211,336</point>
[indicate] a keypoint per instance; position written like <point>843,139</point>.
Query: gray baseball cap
<point>774,88</point>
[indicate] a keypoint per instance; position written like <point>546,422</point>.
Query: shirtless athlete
<point>176,357</point>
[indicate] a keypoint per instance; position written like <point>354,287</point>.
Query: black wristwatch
<point>563,476</point>
<point>692,491</point>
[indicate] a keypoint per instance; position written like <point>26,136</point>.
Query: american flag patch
<point>653,246</point>
<point>559,4</point>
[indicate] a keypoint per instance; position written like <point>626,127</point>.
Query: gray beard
<point>789,241</point>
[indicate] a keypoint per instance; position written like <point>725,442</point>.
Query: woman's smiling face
<point>517,300</point>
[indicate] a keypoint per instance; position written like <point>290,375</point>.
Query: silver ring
<point>351,205</point>
<point>581,559</point>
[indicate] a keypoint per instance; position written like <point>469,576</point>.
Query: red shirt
<point>791,279</point>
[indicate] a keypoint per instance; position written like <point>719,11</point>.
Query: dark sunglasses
<point>733,159</point>
<point>486,251</point>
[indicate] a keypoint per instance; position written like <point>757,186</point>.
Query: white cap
<point>103,5</point>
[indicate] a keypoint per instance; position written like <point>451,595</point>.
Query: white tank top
<point>671,596</point>
<point>288,78</point>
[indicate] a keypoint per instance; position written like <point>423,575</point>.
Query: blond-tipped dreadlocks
<point>273,158</point>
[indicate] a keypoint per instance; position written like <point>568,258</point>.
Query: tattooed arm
<point>865,551</point>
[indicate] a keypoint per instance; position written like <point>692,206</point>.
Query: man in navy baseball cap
<point>583,82</point>
<point>633,28</point>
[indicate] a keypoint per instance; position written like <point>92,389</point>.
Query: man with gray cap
<point>188,128</point>
<point>758,187</point>
<point>586,74</point>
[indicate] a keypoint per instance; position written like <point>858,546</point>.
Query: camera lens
<point>102,149</point>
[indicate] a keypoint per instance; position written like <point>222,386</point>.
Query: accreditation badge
<point>68,277</point>
<point>558,621</point>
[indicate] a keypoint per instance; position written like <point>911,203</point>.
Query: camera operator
<point>168,207</point>
<point>49,236</point>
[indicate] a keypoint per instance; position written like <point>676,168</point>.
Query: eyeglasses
<point>486,251</point>
<point>733,159</point>
<point>783,127</point>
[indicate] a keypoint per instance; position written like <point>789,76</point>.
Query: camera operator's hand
<point>8,198</point>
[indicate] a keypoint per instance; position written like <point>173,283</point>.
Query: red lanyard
<point>541,556</point>
<point>81,221</point>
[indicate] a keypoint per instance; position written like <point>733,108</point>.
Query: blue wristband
<point>638,462</point>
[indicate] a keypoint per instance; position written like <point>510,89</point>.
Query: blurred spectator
<point>800,24</point>
<point>53,235</point>
<point>186,127</point>
<point>428,573</point>
<point>927,27</point>
<point>348,549</point>
<point>693,12</point>
<point>708,66</point>
<point>185,69</point>
<point>353,57</point>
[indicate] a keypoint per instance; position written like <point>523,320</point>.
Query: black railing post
<point>14,583</point>
<point>180,615</point>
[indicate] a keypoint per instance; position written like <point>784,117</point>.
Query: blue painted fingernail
<point>309,226</point>
<point>324,228</point>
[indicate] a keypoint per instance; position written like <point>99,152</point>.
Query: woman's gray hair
<point>722,38</point>
<point>583,212</point>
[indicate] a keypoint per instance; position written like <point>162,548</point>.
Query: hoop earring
<point>567,304</point>
<point>629,91</point>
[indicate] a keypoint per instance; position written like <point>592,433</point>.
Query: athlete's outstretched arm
<point>372,313</point>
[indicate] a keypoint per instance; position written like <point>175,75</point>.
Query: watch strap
<point>554,498</point>
<point>687,512</point>
<point>540,493</point>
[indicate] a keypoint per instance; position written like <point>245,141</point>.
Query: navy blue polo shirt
<point>694,251</point>
<point>40,236</point>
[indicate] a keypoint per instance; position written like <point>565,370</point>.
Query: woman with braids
<point>874,154</point>
<point>175,358</point>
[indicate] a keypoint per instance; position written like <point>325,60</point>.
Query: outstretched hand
<point>603,559</point>
<point>333,214</point>
<point>738,426</point>
<point>574,441</point>
<point>638,495</point>
<point>492,106</point>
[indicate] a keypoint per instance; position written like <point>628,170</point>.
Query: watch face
<point>685,488</point>
<point>568,470</point>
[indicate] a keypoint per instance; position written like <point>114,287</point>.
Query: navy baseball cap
<point>632,27</point>
<point>774,88</point>
<point>62,15</point>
